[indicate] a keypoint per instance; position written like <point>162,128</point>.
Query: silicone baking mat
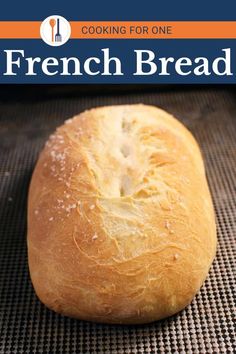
<point>27,326</point>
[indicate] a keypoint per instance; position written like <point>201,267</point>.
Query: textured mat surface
<point>207,325</point>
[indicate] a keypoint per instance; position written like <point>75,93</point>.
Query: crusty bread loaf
<point>120,220</point>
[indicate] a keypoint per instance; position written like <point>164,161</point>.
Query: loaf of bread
<point>121,225</point>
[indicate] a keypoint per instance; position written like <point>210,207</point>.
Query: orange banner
<point>19,29</point>
<point>126,30</point>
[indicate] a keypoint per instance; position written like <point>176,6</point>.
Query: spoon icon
<point>52,23</point>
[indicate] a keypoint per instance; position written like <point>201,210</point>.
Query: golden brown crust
<point>120,220</point>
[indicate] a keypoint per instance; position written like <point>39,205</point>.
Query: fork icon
<point>58,37</point>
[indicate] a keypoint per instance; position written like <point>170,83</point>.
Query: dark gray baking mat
<point>26,326</point>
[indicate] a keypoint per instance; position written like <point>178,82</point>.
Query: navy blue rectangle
<point>122,10</point>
